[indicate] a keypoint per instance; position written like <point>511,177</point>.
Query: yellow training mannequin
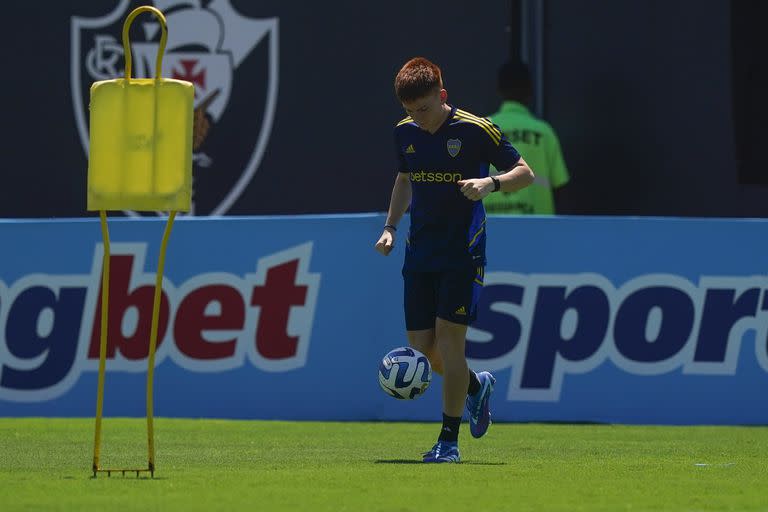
<point>141,139</point>
<point>140,159</point>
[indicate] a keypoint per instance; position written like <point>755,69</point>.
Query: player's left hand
<point>476,188</point>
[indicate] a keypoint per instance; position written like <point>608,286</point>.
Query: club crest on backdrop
<point>231,59</point>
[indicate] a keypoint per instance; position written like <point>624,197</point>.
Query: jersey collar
<point>447,120</point>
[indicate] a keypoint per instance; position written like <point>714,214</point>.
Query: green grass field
<point>311,466</point>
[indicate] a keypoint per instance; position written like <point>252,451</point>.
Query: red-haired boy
<point>444,154</point>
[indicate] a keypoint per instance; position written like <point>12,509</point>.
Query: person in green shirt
<point>534,139</point>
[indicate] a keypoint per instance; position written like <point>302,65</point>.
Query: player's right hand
<point>386,242</point>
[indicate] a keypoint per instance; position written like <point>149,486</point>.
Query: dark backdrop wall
<point>641,93</point>
<point>749,69</point>
<point>330,146</point>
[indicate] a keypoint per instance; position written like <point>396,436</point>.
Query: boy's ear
<point>443,95</point>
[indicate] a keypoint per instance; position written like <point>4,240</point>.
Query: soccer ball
<point>405,373</point>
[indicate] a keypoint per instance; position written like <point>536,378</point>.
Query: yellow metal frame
<point>105,289</point>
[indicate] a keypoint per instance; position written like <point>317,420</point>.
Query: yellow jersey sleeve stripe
<point>482,120</point>
<point>494,134</point>
<point>494,137</point>
<point>405,121</point>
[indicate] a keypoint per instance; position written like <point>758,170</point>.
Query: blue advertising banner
<point>627,320</point>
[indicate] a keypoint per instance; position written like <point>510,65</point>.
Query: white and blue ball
<point>405,373</point>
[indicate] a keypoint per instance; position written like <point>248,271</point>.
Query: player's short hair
<point>416,79</point>
<point>514,81</point>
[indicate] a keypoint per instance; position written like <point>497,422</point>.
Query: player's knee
<point>435,360</point>
<point>451,354</point>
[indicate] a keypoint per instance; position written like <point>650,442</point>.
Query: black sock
<point>474,383</point>
<point>450,430</point>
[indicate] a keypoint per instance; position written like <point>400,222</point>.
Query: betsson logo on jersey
<point>50,324</point>
<point>435,176</point>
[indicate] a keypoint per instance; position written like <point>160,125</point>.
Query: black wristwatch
<point>496,184</point>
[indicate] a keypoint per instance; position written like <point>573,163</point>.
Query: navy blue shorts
<point>450,294</point>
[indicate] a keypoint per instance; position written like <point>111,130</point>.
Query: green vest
<point>537,143</point>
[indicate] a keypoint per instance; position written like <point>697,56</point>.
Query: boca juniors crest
<point>232,61</point>
<point>454,146</point>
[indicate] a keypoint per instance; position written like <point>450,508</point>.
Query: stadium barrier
<point>583,319</point>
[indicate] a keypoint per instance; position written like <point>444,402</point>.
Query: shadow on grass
<point>411,461</point>
<point>121,477</point>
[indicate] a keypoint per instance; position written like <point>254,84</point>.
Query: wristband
<point>390,226</point>
<point>496,184</point>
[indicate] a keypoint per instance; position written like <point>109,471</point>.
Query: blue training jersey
<point>447,229</point>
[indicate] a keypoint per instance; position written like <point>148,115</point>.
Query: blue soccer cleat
<point>443,451</point>
<point>479,407</point>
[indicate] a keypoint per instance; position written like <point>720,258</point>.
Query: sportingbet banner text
<point>629,320</point>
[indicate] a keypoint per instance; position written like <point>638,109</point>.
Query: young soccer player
<point>444,154</point>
